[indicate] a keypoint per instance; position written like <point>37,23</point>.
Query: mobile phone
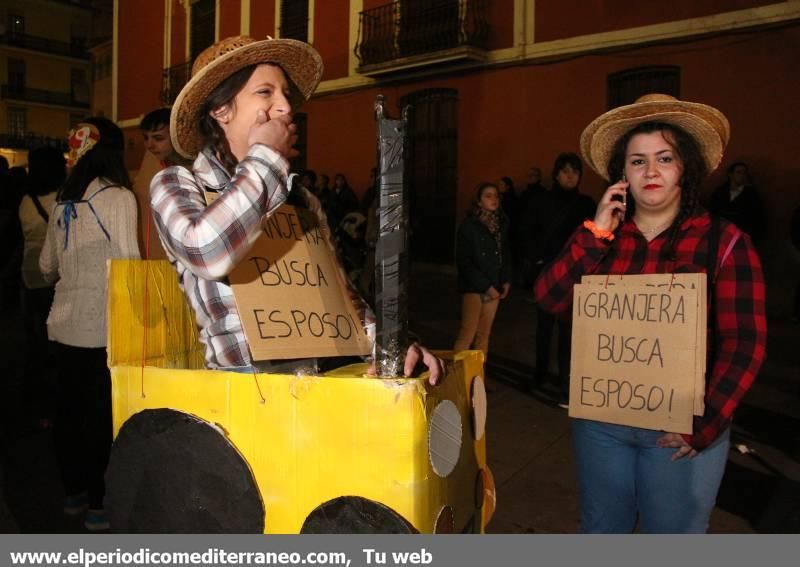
<point>621,198</point>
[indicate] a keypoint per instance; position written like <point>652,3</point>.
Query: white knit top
<point>77,253</point>
<point>34,229</point>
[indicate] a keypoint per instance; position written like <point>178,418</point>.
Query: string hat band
<point>301,63</point>
<point>80,140</point>
<point>707,125</point>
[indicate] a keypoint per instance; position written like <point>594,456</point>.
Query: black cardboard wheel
<point>170,472</point>
<point>355,515</point>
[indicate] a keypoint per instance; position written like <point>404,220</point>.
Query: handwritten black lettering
<point>621,394</point>
<point>617,305</point>
<point>257,314</point>
<point>283,225</point>
<point>293,272</point>
<point>274,313</point>
<point>622,349</point>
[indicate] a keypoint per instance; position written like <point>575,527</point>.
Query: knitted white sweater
<point>78,259</point>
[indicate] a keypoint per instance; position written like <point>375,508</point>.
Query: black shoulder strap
<point>712,267</point>
<point>40,208</point>
<point>713,251</point>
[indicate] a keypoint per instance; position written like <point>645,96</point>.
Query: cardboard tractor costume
<point>208,451</point>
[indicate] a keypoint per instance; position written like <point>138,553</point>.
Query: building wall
<point>140,57</point>
<point>514,118</point>
<point>177,33</point>
<point>331,38</point>
<point>262,18</point>
<point>535,105</point>
<point>48,19</point>
<point>569,18</point>
<point>230,18</point>
<point>44,71</point>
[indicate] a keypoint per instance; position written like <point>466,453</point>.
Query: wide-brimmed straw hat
<point>301,63</point>
<point>707,125</point>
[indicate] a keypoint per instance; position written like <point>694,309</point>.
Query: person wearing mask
<point>655,154</point>
<point>94,220</point>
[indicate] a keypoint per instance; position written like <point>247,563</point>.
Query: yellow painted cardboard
<point>307,440</point>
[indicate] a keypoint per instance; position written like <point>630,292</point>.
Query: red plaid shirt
<point>740,329</point>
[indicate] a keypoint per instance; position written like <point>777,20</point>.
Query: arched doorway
<point>431,173</point>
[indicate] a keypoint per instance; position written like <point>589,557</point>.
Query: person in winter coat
<point>483,257</point>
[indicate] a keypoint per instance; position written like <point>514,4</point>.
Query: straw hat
<point>707,125</point>
<point>301,63</point>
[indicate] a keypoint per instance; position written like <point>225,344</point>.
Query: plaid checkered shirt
<point>205,242</point>
<point>740,329</point>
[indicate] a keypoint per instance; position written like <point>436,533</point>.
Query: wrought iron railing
<point>76,49</point>
<point>172,81</point>
<point>407,28</point>
<point>32,141</point>
<point>42,96</point>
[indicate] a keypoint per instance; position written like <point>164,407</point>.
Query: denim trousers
<point>623,474</point>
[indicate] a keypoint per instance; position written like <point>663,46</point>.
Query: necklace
<point>653,229</point>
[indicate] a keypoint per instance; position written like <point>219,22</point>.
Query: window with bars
<point>626,86</point>
<point>16,24</point>
<point>16,76</point>
<point>294,19</point>
<point>17,121</point>
<point>202,26</point>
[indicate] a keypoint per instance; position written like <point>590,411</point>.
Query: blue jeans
<point>622,473</point>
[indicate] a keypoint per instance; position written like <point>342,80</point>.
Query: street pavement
<point>529,445</point>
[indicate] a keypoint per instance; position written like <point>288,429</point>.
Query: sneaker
<point>76,504</point>
<point>96,520</point>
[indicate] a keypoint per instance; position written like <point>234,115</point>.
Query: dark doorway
<point>202,26</point>
<point>431,173</point>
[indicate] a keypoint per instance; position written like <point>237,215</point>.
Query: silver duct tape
<point>391,251</point>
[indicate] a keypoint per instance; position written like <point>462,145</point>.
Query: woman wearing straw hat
<point>234,119</point>
<point>658,151</point>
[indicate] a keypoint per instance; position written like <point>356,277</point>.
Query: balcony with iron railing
<point>172,81</point>
<point>75,49</point>
<point>41,96</point>
<point>30,141</point>
<point>412,33</point>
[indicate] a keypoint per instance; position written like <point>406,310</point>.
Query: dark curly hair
<point>694,172</point>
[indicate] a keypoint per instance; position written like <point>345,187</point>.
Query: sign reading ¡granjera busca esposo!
<point>636,350</point>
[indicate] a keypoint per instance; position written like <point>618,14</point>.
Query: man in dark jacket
<point>738,201</point>
<point>559,213</point>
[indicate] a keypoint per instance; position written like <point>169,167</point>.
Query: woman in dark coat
<point>483,256</point>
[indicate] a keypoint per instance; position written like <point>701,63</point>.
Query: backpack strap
<point>40,208</point>
<point>71,212</point>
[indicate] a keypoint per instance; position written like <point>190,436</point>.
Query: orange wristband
<point>598,232</point>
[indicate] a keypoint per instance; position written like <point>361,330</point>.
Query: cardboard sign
<point>680,281</point>
<point>634,354</point>
<point>291,293</point>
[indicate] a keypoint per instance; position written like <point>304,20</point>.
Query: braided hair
<point>694,172</point>
<point>212,132</point>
